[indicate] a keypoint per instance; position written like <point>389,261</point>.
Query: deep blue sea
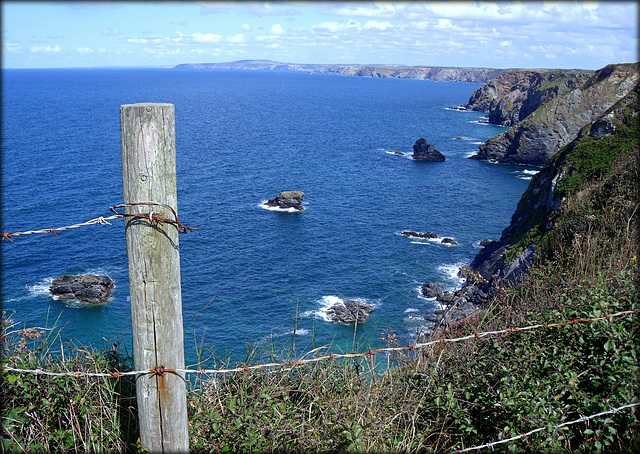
<point>242,137</point>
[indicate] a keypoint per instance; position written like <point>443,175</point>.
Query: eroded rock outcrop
<point>86,288</point>
<point>286,200</point>
<point>423,151</point>
<point>349,311</point>
<point>566,104</point>
<point>514,95</point>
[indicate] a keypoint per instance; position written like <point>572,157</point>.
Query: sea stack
<point>423,151</point>
<point>287,199</point>
<point>86,288</point>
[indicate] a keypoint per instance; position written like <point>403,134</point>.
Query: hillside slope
<point>593,155</point>
<point>566,103</point>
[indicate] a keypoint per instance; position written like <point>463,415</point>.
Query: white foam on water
<point>41,288</point>
<point>281,210</point>
<point>300,332</point>
<point>530,172</point>
<point>429,241</point>
<point>471,153</point>
<point>425,242</point>
<point>477,143</point>
<point>479,122</point>
<point>524,177</point>
<point>422,297</point>
<point>411,309</point>
<point>450,273</point>
<point>329,300</point>
<point>325,303</point>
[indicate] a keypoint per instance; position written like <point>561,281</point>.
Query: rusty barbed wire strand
<point>159,370</point>
<point>153,218</point>
<point>539,429</point>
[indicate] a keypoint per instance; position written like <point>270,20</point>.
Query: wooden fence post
<point>149,175</point>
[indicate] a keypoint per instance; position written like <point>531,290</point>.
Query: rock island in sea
<point>287,200</point>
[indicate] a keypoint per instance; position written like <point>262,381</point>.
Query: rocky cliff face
<point>609,137</point>
<point>550,112</point>
<point>514,95</point>
<point>439,74</point>
<point>539,206</point>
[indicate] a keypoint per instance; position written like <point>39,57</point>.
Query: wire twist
<point>152,217</point>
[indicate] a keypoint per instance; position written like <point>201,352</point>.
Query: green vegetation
<point>63,414</point>
<point>448,397</point>
<point>585,162</point>
<point>592,158</point>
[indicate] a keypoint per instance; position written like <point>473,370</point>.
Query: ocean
<point>251,277</point>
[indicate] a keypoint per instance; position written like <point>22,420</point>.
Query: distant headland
<point>435,73</point>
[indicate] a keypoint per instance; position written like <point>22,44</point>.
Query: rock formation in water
<point>349,311</point>
<point>411,233</point>
<point>546,109</point>
<point>287,199</point>
<point>86,288</point>
<point>423,151</point>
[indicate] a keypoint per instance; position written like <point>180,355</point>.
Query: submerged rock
<point>86,288</point>
<point>349,311</point>
<point>287,199</point>
<point>423,151</point>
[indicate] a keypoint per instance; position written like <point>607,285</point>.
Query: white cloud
<point>138,40</point>
<point>246,28</point>
<point>206,37</point>
<point>277,30</point>
<point>46,49</point>
<point>11,47</point>
<point>263,38</point>
<point>379,10</point>
<point>377,25</point>
<point>239,38</point>
<point>84,50</point>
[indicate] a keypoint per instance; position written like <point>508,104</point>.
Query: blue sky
<point>527,34</point>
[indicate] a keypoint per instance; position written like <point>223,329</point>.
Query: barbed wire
<point>152,217</point>
<point>161,370</point>
<point>100,220</point>
<point>539,429</point>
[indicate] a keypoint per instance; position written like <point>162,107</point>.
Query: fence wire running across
<point>540,429</point>
<point>161,370</point>
<point>152,217</point>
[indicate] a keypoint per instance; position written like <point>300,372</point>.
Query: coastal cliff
<point>435,73</point>
<point>438,74</point>
<point>546,109</point>
<point>601,160</point>
<point>514,95</point>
